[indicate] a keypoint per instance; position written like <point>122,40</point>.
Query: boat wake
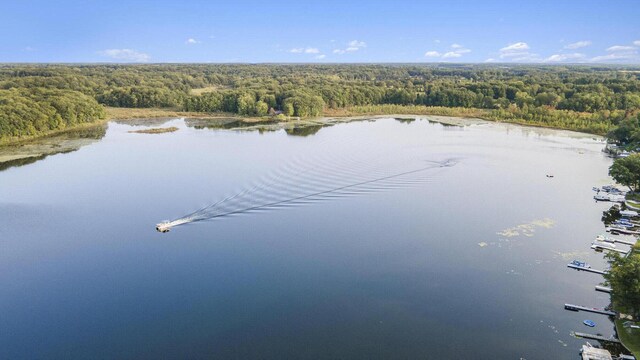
<point>302,182</point>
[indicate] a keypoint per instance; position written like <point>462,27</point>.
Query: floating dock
<point>603,288</point>
<point>588,309</point>
<point>600,247</point>
<point>580,268</point>
<point>596,337</point>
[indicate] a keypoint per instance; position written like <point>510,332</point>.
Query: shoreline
<point>343,115</point>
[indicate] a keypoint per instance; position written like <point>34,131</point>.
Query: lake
<point>463,261</point>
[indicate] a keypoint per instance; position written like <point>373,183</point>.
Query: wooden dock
<point>603,288</point>
<point>596,337</point>
<point>593,310</point>
<point>580,268</point>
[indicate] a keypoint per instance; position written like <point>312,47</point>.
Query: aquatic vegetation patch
<point>527,229</point>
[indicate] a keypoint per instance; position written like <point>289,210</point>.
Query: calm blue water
<point>415,272</point>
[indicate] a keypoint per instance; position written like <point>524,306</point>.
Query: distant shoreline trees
<point>586,98</point>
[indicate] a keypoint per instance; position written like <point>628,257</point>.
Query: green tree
<point>262,108</point>
<point>626,171</point>
<point>624,280</point>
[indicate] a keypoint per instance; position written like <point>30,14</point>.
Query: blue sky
<point>539,31</point>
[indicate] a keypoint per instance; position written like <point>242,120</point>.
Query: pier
<point>580,268</point>
<point>596,337</point>
<point>588,309</point>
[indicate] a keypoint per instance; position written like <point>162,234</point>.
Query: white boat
<point>166,226</point>
<point>605,238</point>
<point>629,213</point>
<point>602,244</point>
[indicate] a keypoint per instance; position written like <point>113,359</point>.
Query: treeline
<point>256,103</point>
<point>589,98</point>
<point>31,112</point>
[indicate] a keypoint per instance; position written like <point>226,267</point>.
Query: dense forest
<point>38,98</point>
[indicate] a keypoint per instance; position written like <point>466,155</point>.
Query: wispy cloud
<point>620,53</point>
<point>620,48</point>
<point>127,55</point>
<point>578,45</point>
<point>191,41</point>
<point>432,53</point>
<point>352,46</point>
<point>556,58</point>
<point>321,56</point>
<point>307,50</point>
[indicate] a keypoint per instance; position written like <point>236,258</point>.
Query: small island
<point>155,130</point>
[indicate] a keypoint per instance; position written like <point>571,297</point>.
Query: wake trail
<point>299,184</point>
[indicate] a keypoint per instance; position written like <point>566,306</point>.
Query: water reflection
<point>38,149</point>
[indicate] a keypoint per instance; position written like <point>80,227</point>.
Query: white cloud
<point>578,45</point>
<point>451,54</point>
<point>127,55</point>
<point>311,51</point>
<point>456,51</point>
<point>352,46</point>
<point>518,52</point>
<point>636,43</point>
<point>436,41</point>
<point>29,49</point>
<point>577,57</point>
<point>321,56</point>
<point>620,48</point>
<point>619,53</point>
<point>518,49</point>
<point>490,60</point>
<point>192,41</point>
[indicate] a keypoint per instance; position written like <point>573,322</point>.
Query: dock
<point>596,337</point>
<point>603,288</point>
<point>600,247</point>
<point>630,243</point>
<point>580,268</point>
<point>588,309</point>
<point>614,240</point>
<point>622,230</point>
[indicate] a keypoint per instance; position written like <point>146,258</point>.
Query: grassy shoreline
<point>356,111</point>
